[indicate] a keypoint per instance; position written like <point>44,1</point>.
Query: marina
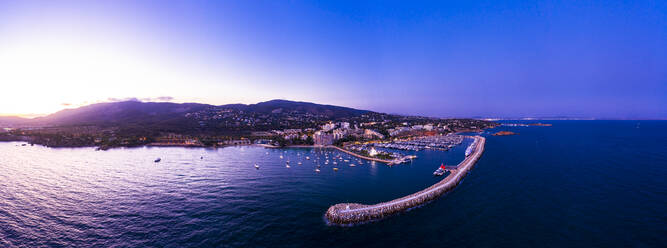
<point>435,142</point>
<point>398,160</point>
<point>352,213</point>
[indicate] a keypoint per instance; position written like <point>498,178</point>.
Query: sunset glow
<point>536,60</point>
<point>300,123</point>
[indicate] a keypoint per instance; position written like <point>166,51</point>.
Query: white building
<point>322,138</point>
<point>328,127</point>
<point>339,134</point>
<point>369,134</point>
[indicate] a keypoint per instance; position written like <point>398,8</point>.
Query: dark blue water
<point>575,184</point>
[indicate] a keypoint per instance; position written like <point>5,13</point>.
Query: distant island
<point>275,123</point>
<point>504,133</point>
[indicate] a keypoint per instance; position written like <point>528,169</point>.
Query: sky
<point>585,59</point>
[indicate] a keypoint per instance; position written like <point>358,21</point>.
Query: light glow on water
<point>547,185</point>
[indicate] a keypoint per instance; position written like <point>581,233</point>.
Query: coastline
<point>105,148</point>
<point>353,213</point>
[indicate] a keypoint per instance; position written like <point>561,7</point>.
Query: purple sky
<point>600,59</point>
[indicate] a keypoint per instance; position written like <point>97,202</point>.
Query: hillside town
<point>219,126</point>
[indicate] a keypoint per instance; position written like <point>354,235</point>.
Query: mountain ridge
<point>112,113</point>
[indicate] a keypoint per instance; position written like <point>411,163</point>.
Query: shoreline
<point>354,213</point>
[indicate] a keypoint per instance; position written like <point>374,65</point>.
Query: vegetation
<point>136,123</point>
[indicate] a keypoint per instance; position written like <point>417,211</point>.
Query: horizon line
<point>478,117</point>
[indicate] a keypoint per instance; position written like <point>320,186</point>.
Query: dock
<point>361,156</point>
<point>352,213</point>
<point>386,161</point>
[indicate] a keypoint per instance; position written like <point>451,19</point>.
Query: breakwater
<point>350,213</point>
<point>333,147</point>
<point>361,156</point>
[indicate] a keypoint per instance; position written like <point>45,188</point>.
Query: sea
<point>572,184</point>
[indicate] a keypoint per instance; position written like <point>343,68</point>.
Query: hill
<point>115,113</point>
<point>158,115</point>
<point>279,106</point>
<point>12,121</point>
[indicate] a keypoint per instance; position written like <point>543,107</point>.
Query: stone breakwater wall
<point>351,213</point>
<point>361,156</point>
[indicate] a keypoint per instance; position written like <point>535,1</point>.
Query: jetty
<point>351,213</point>
<point>361,156</point>
<point>386,161</point>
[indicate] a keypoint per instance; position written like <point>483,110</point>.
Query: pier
<point>361,156</point>
<point>350,213</point>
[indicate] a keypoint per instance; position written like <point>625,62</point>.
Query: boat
<point>158,160</point>
<point>299,163</point>
<point>317,170</point>
<point>287,166</point>
<point>307,158</point>
<point>256,166</point>
<point>281,156</point>
<point>470,149</point>
<point>352,165</point>
<point>335,169</point>
<point>440,171</point>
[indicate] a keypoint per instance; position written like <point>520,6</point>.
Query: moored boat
<point>440,171</point>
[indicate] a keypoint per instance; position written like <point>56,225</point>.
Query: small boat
<point>287,166</point>
<point>352,165</point>
<point>201,158</point>
<point>317,170</point>
<point>299,163</point>
<point>440,171</point>
<point>256,166</point>
<point>307,158</point>
<point>281,156</point>
<point>158,160</point>
<point>334,162</point>
<point>335,169</point>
